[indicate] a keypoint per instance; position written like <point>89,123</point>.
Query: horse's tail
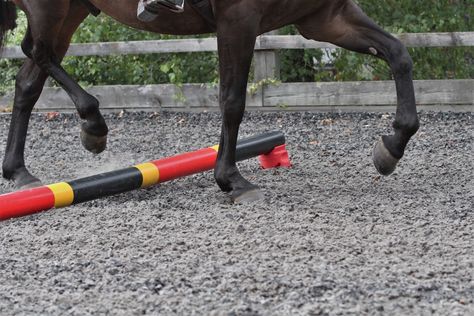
<point>7,18</point>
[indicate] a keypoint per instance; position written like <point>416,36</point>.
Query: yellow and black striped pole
<point>270,147</point>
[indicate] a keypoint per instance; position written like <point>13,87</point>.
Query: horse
<point>51,24</point>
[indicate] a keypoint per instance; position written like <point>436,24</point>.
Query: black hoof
<point>244,197</point>
<point>23,180</point>
<point>94,144</point>
<point>383,159</point>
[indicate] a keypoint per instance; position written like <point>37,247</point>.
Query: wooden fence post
<point>267,63</point>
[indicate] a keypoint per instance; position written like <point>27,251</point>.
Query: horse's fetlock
<point>409,127</point>
<point>223,174</point>
<point>413,126</point>
<point>222,180</point>
<point>6,173</point>
<point>8,169</point>
<point>88,106</point>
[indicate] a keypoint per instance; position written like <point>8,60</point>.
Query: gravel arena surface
<point>331,237</point>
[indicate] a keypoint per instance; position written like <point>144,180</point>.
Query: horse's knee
<point>27,91</point>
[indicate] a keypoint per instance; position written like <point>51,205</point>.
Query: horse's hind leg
<point>29,84</point>
<point>46,28</point>
<point>347,26</point>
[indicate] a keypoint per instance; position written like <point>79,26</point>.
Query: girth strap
<point>92,8</point>
<point>204,8</point>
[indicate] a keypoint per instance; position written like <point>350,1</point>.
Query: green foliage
<point>400,16</point>
<point>254,87</point>
<point>396,16</point>
<point>135,69</point>
<point>128,69</point>
<point>9,67</point>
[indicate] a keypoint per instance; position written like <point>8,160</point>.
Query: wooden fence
<point>451,94</point>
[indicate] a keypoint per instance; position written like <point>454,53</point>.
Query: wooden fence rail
<point>264,42</point>
<point>371,95</point>
<point>453,93</point>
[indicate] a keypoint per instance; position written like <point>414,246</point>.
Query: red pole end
<point>26,202</point>
<point>278,157</point>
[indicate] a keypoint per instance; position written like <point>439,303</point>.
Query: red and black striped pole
<point>270,148</point>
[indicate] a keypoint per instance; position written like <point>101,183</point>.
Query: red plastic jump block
<point>278,157</point>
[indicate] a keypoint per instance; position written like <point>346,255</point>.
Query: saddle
<point>202,7</point>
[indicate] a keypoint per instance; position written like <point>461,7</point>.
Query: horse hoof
<point>383,159</point>
<point>23,180</point>
<point>247,196</point>
<point>94,144</point>
<point>31,185</point>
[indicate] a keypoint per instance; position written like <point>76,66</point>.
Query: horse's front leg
<point>50,29</point>
<point>236,43</point>
<point>44,47</point>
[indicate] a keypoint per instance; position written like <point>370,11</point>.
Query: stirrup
<point>147,12</point>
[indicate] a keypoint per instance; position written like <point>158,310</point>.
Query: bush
<point>394,16</point>
<point>401,16</point>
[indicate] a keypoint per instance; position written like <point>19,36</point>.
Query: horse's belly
<point>167,22</point>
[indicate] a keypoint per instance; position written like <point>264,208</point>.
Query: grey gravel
<point>331,237</point>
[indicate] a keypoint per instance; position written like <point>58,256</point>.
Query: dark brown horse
<point>51,24</point>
